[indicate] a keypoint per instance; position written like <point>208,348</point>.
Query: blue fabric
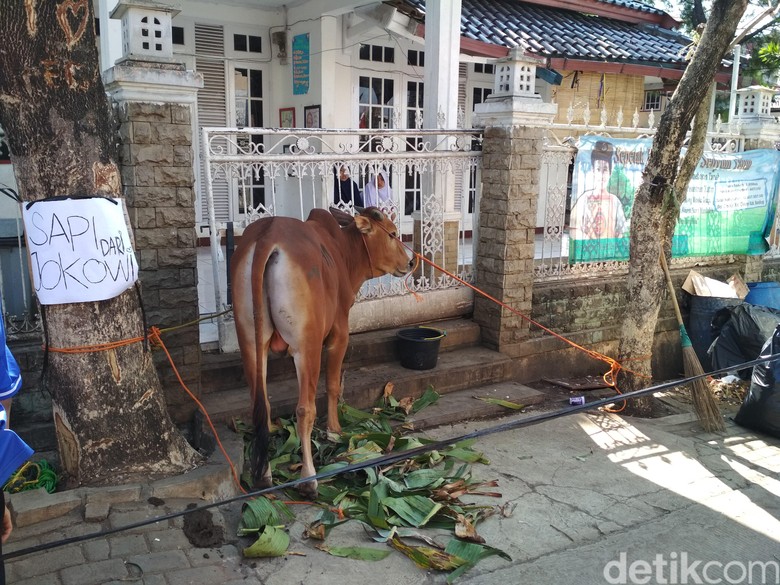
<point>10,377</point>
<point>13,451</point>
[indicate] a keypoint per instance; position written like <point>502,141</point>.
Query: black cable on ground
<point>396,457</point>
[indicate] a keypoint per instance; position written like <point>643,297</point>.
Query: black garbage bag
<point>760,411</point>
<point>742,336</point>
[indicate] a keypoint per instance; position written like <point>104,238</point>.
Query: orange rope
<point>155,339</point>
<point>610,377</point>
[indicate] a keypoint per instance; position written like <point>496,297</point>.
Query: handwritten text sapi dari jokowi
<point>72,251</point>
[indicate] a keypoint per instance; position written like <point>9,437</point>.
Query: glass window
<point>652,100</point>
<point>375,102</point>
<point>377,53</point>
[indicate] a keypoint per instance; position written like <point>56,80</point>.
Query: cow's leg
<point>294,301</point>
<point>337,349</point>
<point>307,365</point>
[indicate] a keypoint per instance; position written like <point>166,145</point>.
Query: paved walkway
<point>592,498</point>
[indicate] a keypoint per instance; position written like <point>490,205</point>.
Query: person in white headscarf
<point>377,191</point>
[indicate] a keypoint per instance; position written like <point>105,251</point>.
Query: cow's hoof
<point>263,482</point>
<point>308,490</point>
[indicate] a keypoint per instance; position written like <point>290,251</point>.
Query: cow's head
<point>387,254</point>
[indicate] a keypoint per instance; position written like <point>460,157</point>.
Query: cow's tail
<point>261,440</point>
<point>260,414</point>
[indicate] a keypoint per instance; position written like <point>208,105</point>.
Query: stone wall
<point>504,260</point>
<point>157,174</point>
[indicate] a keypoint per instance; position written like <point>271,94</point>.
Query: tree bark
<point>110,416</point>
<point>656,206</point>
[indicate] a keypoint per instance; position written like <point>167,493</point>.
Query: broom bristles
<point>704,402</point>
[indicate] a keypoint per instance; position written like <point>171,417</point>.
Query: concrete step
<point>460,369</point>
<point>463,405</point>
<point>220,372</point>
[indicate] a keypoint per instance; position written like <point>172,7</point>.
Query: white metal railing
<point>433,175</point>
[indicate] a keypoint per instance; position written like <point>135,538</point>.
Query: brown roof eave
<point>564,64</point>
<point>470,46</point>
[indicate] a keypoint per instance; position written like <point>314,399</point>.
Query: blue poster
<point>728,209</point>
<point>300,58</point>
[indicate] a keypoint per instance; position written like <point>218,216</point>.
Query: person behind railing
<point>345,190</point>
<point>377,191</point>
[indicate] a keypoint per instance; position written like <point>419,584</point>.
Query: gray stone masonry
<point>511,160</point>
<point>159,181</point>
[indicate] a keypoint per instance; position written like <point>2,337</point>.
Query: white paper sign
<point>80,249</point>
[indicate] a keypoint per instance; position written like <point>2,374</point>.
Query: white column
<point>331,98</point>
<point>442,54</point>
<point>110,35</point>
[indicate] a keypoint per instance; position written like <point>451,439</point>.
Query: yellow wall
<point>619,90</point>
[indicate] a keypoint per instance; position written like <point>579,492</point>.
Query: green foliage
<point>393,501</point>
<point>356,552</point>
<point>271,542</point>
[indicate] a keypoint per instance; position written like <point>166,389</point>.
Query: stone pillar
<point>514,118</point>
<point>154,98</point>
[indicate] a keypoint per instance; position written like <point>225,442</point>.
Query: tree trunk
<point>109,412</point>
<point>656,206</point>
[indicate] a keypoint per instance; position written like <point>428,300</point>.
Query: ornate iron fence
<point>432,188</point>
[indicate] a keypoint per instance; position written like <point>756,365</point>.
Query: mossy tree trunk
<point>110,416</point>
<point>657,203</point>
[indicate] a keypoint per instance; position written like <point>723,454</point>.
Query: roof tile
<point>554,32</point>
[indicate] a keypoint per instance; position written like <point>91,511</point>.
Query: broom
<point>704,402</point>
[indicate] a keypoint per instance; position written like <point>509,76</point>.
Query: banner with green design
<point>729,207</point>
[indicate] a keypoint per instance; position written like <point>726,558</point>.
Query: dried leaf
<point>315,531</point>
<point>388,391</point>
<point>426,557</point>
<point>466,530</point>
<point>406,404</point>
<point>499,402</point>
<point>508,509</point>
<point>402,531</point>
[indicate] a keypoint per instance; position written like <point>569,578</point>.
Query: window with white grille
<point>652,100</point>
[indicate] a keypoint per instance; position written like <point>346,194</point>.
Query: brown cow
<point>293,285</point>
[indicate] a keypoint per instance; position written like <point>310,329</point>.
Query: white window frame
<point>645,100</point>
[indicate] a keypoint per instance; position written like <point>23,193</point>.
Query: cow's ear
<point>342,217</point>
<point>363,223</point>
